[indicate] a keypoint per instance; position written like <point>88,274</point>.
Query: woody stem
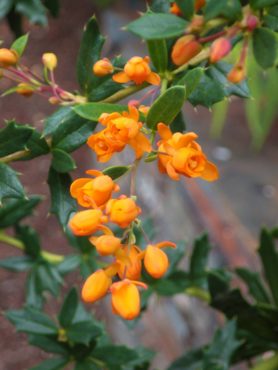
<point>212,37</point>
<point>50,257</point>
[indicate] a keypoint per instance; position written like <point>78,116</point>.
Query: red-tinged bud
<point>49,61</point>
<point>185,49</point>
<point>8,58</point>
<point>103,67</point>
<point>53,100</point>
<point>236,74</point>
<point>24,90</point>
<point>219,49</point>
<point>252,22</point>
<point>199,4</point>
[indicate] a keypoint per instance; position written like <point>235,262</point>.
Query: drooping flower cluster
<point>178,154</point>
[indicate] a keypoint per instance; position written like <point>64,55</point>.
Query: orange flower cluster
<point>95,194</point>
<point>120,130</point>
<point>179,154</point>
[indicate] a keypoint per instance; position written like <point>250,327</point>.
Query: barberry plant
<point>115,249</point>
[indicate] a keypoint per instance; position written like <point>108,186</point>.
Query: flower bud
<point>185,48</point>
<point>236,74</point>
<point>196,24</point>
<point>125,299</point>
<point>86,222</point>
<point>219,49</point>
<point>199,4</point>
<point>129,261</point>
<point>155,261</point>
<point>106,244</point>
<point>103,67</point>
<point>8,58</point>
<point>122,211</point>
<point>96,286</point>
<point>174,9</point>
<point>49,60</point>
<point>53,100</point>
<point>252,22</point>
<point>24,90</point>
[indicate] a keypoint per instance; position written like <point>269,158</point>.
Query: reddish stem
<point>212,37</point>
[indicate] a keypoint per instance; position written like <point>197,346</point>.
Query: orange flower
<point>96,286</point>
<point>126,298</point>
<point>103,67</point>
<point>199,4</point>
<point>179,154</point>
<point>93,192</point>
<point>87,222</point>
<point>137,69</point>
<point>129,261</point>
<point>219,49</point>
<point>174,9</point>
<point>236,74</point>
<point>185,48</point>
<point>106,244</point>
<point>24,90</point>
<point>155,260</point>
<point>8,58</point>
<point>121,129</point>
<point>122,211</point>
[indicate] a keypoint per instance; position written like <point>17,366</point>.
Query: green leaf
<point>166,107</point>
<point>269,258</point>
<point>207,92</point>
<point>83,332</point>
<point>192,360</point>
<point>62,161</point>
<point>30,239</point>
<point>13,138</point>
<point>15,210</point>
<point>19,44</point>
<point>34,296</point>
<point>36,145</point>
<point>69,263</point>
<point>160,6</point>
<point>224,339</point>
<point>179,124</point>
<point>198,262</point>
<point>62,204</point>
<point>116,171</point>
<point>5,7</point>
<point>159,54</point>
<point>254,283</point>
<point>68,309</point>
<point>57,363</point>
<point>31,321</point>
<point>48,343</point>
<point>264,47</point>
<point>92,111</point>
<point>187,8</point>
<point>229,9</point>
<point>33,10</point>
<point>219,71</point>
<point>191,79</point>
<point>10,186</point>
<point>176,282</point>
<point>18,263</point>
<point>49,279</point>
<point>90,49</point>
<point>87,364</point>
<point>259,4</point>
<point>118,355</point>
<point>155,26</point>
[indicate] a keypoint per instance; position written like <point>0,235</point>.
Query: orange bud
<point>125,299</point>
<point>122,211</point>
<point>24,90</point>
<point>106,244</point>
<point>236,74</point>
<point>8,58</point>
<point>96,286</point>
<point>103,67</point>
<point>155,261</point>
<point>219,49</point>
<point>174,9</point>
<point>50,61</point>
<point>185,48</point>
<point>144,109</point>
<point>53,100</point>
<point>87,222</point>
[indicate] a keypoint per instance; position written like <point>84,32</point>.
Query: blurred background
<point>239,136</point>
